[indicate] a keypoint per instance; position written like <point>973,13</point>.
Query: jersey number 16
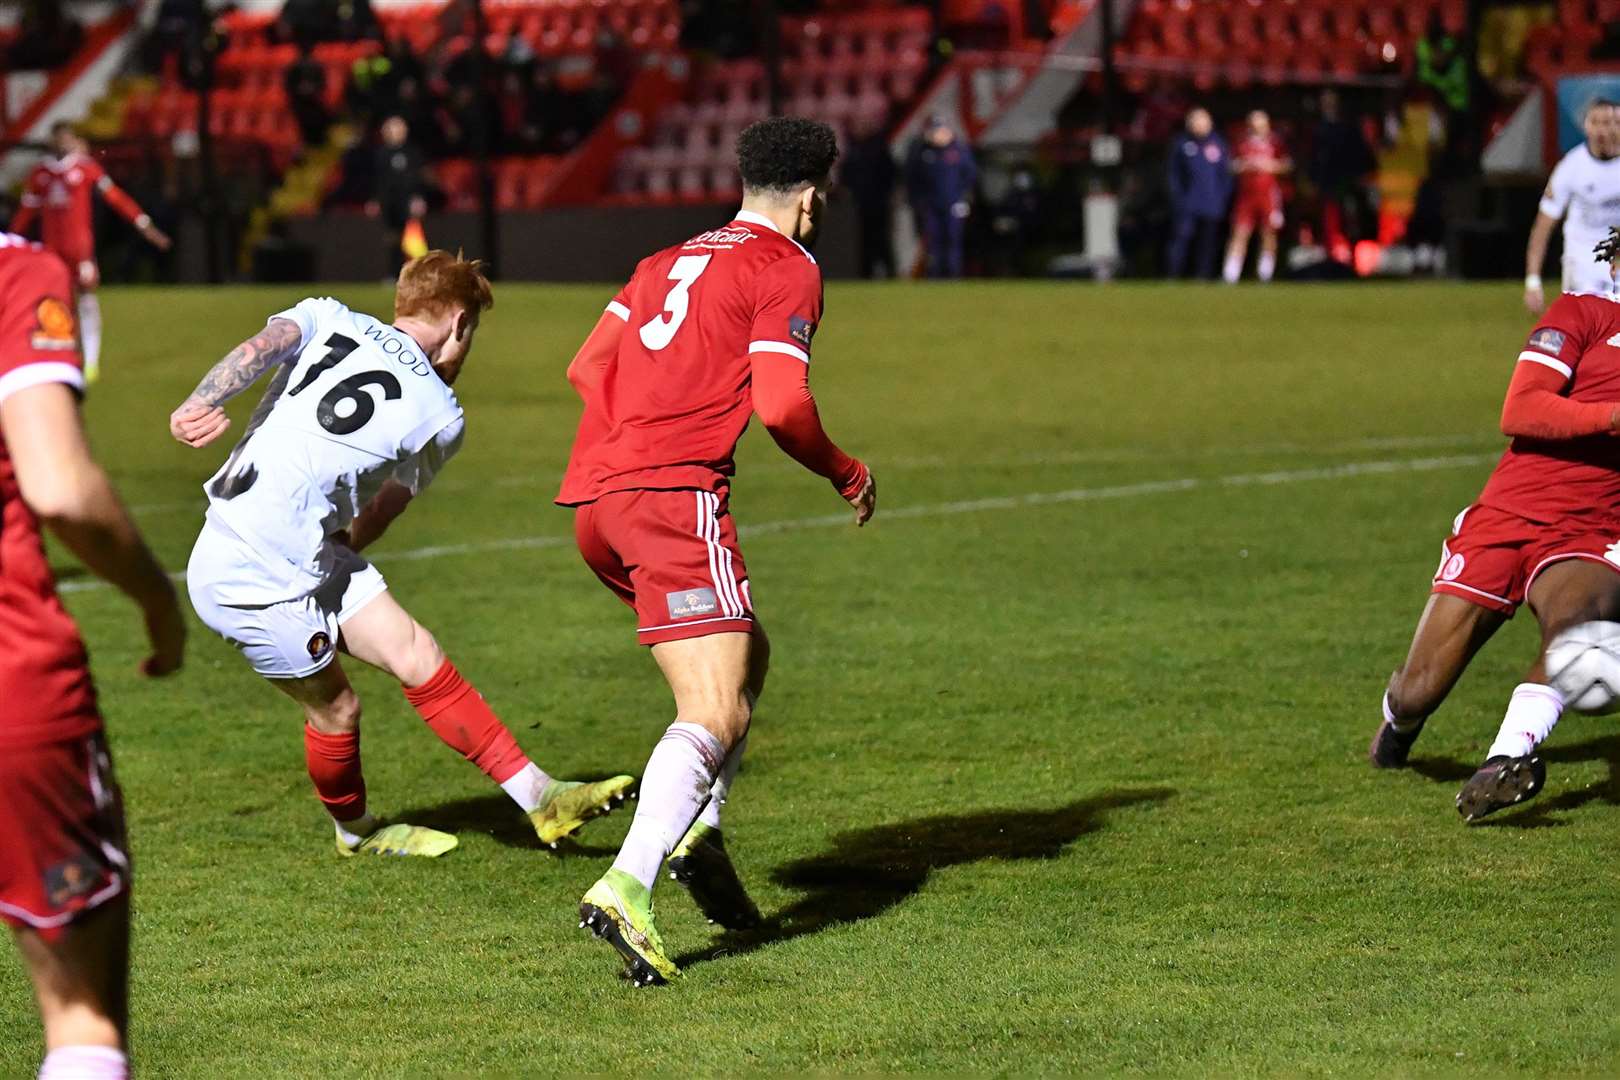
<point>331,413</point>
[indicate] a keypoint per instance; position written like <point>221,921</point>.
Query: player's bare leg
<point>383,634</point>
<point>1266,266</point>
<point>700,862</point>
<point>1237,249</point>
<point>1562,596</point>
<point>81,982</point>
<point>709,677</point>
<point>1449,633</point>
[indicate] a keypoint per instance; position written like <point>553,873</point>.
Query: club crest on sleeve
<point>801,330</point>
<point>689,603</point>
<point>1550,342</point>
<point>53,326</point>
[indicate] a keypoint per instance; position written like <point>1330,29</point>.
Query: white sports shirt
<point>359,405</point>
<point>1585,192</point>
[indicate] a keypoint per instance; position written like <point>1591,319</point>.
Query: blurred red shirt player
<point>1259,160</point>
<point>707,335</point>
<point>59,192</point>
<point>64,873</point>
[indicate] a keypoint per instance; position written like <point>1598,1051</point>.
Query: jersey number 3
<point>658,333</point>
<point>362,406</point>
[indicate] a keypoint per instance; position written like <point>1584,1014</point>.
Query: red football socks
<point>461,717</point>
<point>334,766</point>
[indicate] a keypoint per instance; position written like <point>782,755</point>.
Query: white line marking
<point>968,506</point>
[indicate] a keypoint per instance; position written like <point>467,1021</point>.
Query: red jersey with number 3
<point>44,671</point>
<point>1548,482</point>
<point>676,399</point>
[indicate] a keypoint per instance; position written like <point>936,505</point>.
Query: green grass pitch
<point>1061,767</point>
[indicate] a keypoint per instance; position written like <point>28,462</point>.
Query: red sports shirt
<point>59,193</point>
<point>715,329</point>
<point>1254,157</point>
<point>44,671</point>
<point>1550,481</point>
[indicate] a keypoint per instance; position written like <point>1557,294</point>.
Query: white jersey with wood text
<point>359,405</point>
<point>1585,192</point>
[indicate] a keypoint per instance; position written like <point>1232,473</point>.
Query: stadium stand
<point>839,66</point>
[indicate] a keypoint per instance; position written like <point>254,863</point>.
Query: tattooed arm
<point>201,418</point>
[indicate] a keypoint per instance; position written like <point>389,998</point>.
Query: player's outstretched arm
<point>201,418</point>
<point>787,408</point>
<point>1535,257</point>
<point>65,487</point>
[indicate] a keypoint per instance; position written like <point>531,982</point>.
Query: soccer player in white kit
<point>1585,192</point>
<point>357,420</point>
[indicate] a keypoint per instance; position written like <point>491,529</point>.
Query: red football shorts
<point>673,557</point>
<point>62,845</point>
<point>1493,556</point>
<point>1258,210</point>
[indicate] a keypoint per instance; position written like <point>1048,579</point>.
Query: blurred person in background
<point>1260,162</point>
<point>401,193</point>
<point>1584,191</point>
<point>940,175</point>
<point>305,84</point>
<point>869,172</point>
<point>1200,169</point>
<point>1340,161</point>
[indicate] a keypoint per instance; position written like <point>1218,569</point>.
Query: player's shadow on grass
<point>867,872</point>
<point>1540,812</point>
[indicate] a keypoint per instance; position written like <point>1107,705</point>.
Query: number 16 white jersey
<point>359,405</point>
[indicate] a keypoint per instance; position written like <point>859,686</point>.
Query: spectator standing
<point>1340,160</point>
<point>305,84</point>
<point>1200,189</point>
<point>940,175</point>
<point>401,190</point>
<point>869,172</point>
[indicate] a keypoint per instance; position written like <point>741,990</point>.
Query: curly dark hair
<point>784,153</point>
<point>1608,249</point>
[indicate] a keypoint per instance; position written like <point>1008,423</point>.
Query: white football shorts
<point>287,640</point>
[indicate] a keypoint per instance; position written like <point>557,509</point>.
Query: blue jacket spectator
<point>940,176</point>
<point>1200,173</point>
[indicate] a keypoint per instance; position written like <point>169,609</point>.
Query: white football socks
<point>722,784</point>
<point>84,1063</point>
<point>674,788</point>
<point>1395,721</point>
<point>1531,714</point>
<point>1267,266</point>
<point>526,787</point>
<point>351,833</point>
<point>90,333</point>
<point>1232,270</point>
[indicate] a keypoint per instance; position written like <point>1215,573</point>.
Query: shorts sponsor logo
<point>1453,568</point>
<point>53,326</point>
<point>319,646</point>
<point>1550,342</point>
<point>689,603</point>
<point>67,881</point>
<point>801,330</point>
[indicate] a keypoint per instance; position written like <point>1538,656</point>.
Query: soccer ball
<point>1583,664</point>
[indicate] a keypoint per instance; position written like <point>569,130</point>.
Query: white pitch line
<point>967,506</point>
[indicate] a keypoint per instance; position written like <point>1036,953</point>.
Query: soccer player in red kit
<point>58,192</point>
<point>706,335</point>
<point>64,870</point>
<point>1546,530</point>
<point>1259,160</point>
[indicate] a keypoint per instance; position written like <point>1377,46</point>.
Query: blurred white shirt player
<point>1584,191</point>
